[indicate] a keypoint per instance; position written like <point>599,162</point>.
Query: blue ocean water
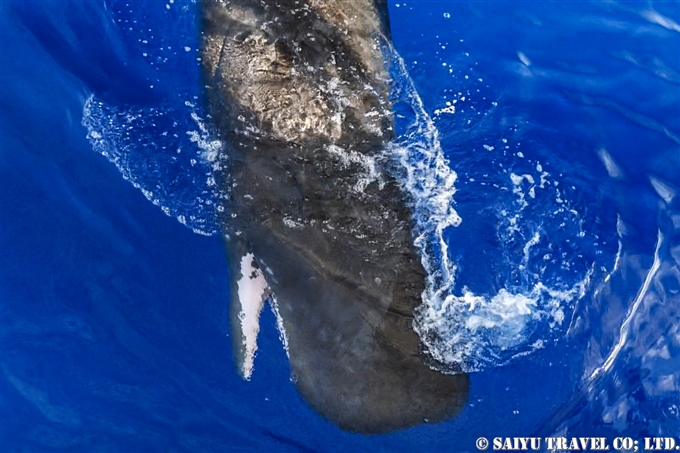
<point>549,138</point>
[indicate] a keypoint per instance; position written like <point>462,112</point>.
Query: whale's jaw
<point>354,355</point>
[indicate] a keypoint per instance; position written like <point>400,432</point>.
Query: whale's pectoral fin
<point>249,291</point>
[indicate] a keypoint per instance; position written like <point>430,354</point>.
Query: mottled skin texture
<point>300,94</point>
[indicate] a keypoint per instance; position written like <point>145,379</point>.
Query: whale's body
<point>299,91</point>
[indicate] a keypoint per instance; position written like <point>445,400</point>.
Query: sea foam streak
<point>167,152</point>
<point>468,332</point>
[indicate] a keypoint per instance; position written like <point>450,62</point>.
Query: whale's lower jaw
<point>355,362</point>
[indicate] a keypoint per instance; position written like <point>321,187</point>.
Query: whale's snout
<point>353,352</point>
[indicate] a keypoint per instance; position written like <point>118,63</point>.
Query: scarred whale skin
<point>299,92</point>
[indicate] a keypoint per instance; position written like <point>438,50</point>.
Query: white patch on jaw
<point>283,336</point>
<point>252,292</point>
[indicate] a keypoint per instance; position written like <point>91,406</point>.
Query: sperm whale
<point>316,221</point>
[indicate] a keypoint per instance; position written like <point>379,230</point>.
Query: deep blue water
<point>561,121</point>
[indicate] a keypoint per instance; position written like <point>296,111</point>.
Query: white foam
<point>283,336</point>
<point>527,247</point>
<point>468,332</point>
<point>172,170</point>
<point>449,109</point>
<point>369,172</point>
<point>290,223</point>
<point>428,178</point>
<point>475,332</point>
<point>517,181</point>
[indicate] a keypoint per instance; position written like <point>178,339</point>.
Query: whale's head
<point>317,221</point>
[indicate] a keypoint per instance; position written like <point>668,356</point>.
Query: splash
<point>167,152</point>
<point>462,331</point>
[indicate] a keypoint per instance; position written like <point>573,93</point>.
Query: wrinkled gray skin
<point>299,92</point>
